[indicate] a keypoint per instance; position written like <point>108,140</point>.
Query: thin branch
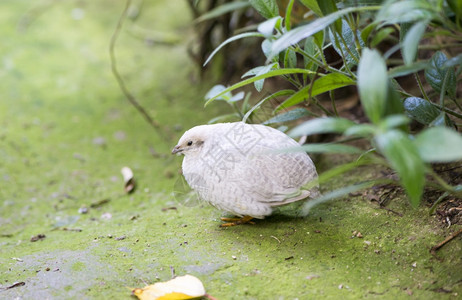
<point>119,78</point>
<point>448,239</point>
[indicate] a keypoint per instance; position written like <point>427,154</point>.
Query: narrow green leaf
<point>322,125</point>
<point>290,59</point>
<point>328,7</point>
<point>439,144</point>
<point>272,96</point>
<point>343,49</point>
<point>407,69</point>
<point>267,8</point>
<point>411,41</point>
<point>225,118</point>
<point>231,39</point>
<point>288,17</point>
<point>331,148</point>
<point>319,39</point>
<point>373,84</point>
<point>455,61</point>
<point>335,194</point>
<point>253,79</point>
<point>421,110</point>
<point>394,104</point>
<point>362,130</point>
<point>394,121</point>
<point>404,158</point>
<point>222,9</point>
<point>382,34</point>
<point>393,12</point>
<point>260,71</point>
<point>295,35</point>
<point>291,115</point>
<point>266,47</point>
<point>435,74</point>
<point>266,28</point>
<point>367,31</point>
<point>310,49</point>
<point>313,6</point>
<point>323,84</point>
<point>217,89</point>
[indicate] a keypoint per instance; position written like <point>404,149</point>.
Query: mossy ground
<point>66,131</point>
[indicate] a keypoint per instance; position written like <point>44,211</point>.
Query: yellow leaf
<point>179,288</point>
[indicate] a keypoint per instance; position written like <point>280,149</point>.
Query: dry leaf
<point>179,288</point>
<point>129,181</point>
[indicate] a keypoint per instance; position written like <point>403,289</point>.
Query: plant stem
<point>422,90</point>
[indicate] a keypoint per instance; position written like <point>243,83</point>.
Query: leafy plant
<point>379,42</point>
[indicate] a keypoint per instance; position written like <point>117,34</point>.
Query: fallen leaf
<point>37,237</point>
<point>179,288</point>
<point>129,181</point>
<point>14,285</point>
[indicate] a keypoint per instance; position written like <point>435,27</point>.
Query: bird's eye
<point>189,143</point>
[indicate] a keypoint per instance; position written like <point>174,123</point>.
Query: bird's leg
<point>236,221</point>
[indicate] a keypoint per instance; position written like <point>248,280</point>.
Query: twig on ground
<point>119,78</point>
<point>447,240</point>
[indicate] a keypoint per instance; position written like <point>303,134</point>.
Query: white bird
<point>245,169</point>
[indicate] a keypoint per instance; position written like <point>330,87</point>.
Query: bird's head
<point>192,141</point>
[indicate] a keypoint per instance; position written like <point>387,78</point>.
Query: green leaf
<point>367,31</point>
<point>313,6</point>
<point>267,8</point>
<point>295,35</point>
<point>406,11</point>
<point>310,48</point>
<point>331,148</point>
<point>288,17</point>
<point>394,121</point>
<point>455,61</point>
<point>373,84</point>
<point>266,47</point>
<point>328,7</point>
<point>233,117</point>
<point>217,89</point>
<point>404,158</point>
<point>260,71</point>
<point>290,59</point>
<point>266,28</point>
<point>439,144</point>
<point>350,47</point>
<point>394,104</point>
<point>272,96</point>
<point>381,35</point>
<point>291,115</point>
<point>421,110</point>
<point>456,7</point>
<point>335,194</point>
<point>323,84</point>
<point>231,39</point>
<point>411,41</point>
<point>319,39</point>
<point>436,73</point>
<point>256,78</point>
<point>322,125</point>
<point>361,130</point>
<point>407,69</point>
<point>222,9</point>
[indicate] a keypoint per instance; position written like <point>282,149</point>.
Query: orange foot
<point>236,221</point>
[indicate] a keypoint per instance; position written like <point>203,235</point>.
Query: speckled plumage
<point>240,169</point>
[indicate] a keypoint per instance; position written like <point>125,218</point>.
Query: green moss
<point>65,132</point>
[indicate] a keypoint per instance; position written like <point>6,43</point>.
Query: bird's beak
<point>176,149</point>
